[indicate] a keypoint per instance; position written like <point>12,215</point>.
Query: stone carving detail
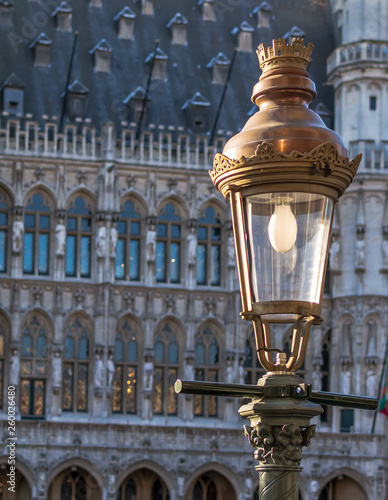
<point>279,446</point>
<point>17,236</point>
<point>324,157</point>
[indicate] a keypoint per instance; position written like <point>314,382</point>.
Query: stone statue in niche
<point>192,246</point>
<point>60,238</point>
<point>346,381</point>
<point>57,369</point>
<point>151,244</point>
<point>371,383</point>
<point>101,241</point>
<point>114,236</point>
<point>110,366</point>
<point>242,373</point>
<point>14,368</point>
<point>360,253</point>
<point>99,371</point>
<point>189,371</point>
<point>231,251</point>
<point>385,252</point>
<point>334,251</point>
<point>229,372</point>
<point>17,235</point>
<point>317,378</point>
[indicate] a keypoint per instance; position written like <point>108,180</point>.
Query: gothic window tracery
<point>128,247</point>
<point>79,238</point>
<point>76,359</point>
<point>143,483</point>
<point>168,245</point>
<point>166,365</point>
<point>36,254</point>
<point>4,231</point>
<point>126,358</point>
<point>209,236</point>
<point>207,367</point>
<point>33,366</point>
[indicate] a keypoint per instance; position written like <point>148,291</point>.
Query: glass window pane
<point>132,350</point>
<point>86,225</point>
<point>41,345</point>
<point>198,399</point>
<point>161,230</point>
<point>213,353</point>
<point>26,367</point>
<point>161,261</point>
<point>175,264</point>
<point>135,228</point>
<point>83,347</point>
<point>43,254</point>
<point>202,233</point>
<point>121,227</point>
<point>41,367</point>
<point>216,233</point>
<point>175,231</point>
<point>82,387</point>
<point>2,345</point>
<point>171,394</point>
<point>159,352</point>
<point>71,248</point>
<point>68,349</point>
<point>39,396</point>
<point>199,354</point>
<point>27,345</point>
<point>212,400</point>
<point>28,257</point>
<point>3,219</point>
<point>120,259</point>
<point>85,256</point>
<point>44,221</point>
<point>71,224</point>
<point>3,251</point>
<point>130,389</point>
<point>25,397</point>
<point>173,352</point>
<point>117,384</point>
<point>134,260</point>
<point>158,391</point>
<point>68,384</point>
<point>215,265</point>
<point>1,382</point>
<point>201,264</point>
<point>29,221</point>
<point>119,350</point>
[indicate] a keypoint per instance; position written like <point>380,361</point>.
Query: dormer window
<point>264,12</point>
<point>208,10</point>
<point>63,14</point>
<point>126,20</point>
<point>13,95</point>
<point>135,102</point>
<point>6,14</point>
<point>295,32</point>
<point>102,56</point>
<point>197,111</point>
<point>147,7</point>
<point>178,26</point>
<point>42,48</point>
<point>95,3</point>
<point>244,36</point>
<point>220,66</point>
<point>77,94</point>
<point>159,71</point>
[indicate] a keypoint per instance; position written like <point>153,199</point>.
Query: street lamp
<point>282,174</point>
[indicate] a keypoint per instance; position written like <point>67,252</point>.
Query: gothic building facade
<point>117,265</point>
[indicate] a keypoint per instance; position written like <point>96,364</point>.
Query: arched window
<point>36,255</point>
<point>168,245</point>
<point>207,365</point>
<point>343,487</point>
<point>143,483</point>
<point>209,248</point>
<point>125,378</point>
<point>211,486</point>
<point>79,238</point>
<point>74,487</point>
<point>74,484</point>
<point>128,245</point>
<point>75,367</point>
<point>4,228</point>
<point>252,365</point>
<point>33,367</point>
<point>166,353</point>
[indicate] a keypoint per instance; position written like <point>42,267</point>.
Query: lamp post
<point>282,174</point>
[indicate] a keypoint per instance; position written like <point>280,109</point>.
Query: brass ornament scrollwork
<point>279,445</point>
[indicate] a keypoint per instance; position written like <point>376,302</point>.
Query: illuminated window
<point>75,377</point>
<point>168,245</point>
<point>125,378</point>
<point>166,364</point>
<point>128,248</point>
<point>33,367</point>
<point>36,255</point>
<point>209,248</point>
<point>4,228</point>
<point>207,365</point>
<point>79,239</point>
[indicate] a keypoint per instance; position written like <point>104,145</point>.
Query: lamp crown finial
<point>282,54</point>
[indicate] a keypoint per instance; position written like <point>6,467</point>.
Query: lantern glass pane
<point>288,236</point>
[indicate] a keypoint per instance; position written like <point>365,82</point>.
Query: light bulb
<point>282,229</point>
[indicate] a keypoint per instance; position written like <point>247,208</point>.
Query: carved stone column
<point>280,428</point>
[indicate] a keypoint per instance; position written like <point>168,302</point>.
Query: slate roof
<point>188,71</point>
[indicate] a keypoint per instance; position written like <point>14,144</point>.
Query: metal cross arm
<point>255,392</point>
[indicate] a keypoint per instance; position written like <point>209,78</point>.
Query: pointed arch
<point>133,193</point>
<point>177,200</point>
<point>23,469</point>
<point>346,472</point>
<point>44,189</point>
<point>233,484</point>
